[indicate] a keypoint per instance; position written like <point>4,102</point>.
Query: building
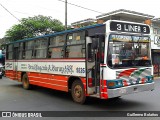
<point>125,15</point>
<point>85,22</point>
<point>155,45</point>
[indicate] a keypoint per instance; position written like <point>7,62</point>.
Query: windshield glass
<point>128,51</point>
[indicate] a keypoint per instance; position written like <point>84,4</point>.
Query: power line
<point>9,12</point>
<point>82,7</point>
<point>23,13</point>
<point>15,17</point>
<point>58,0</point>
<point>37,6</point>
<point>50,9</point>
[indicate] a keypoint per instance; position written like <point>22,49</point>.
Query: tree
<point>33,26</point>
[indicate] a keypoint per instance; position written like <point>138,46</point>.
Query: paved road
<point>14,98</point>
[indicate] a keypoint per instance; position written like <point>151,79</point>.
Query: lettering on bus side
<point>67,69</point>
<point>57,68</point>
<point>9,65</point>
<point>129,27</point>
<point>37,67</point>
<point>80,70</point>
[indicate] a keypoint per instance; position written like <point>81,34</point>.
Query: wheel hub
<point>78,91</point>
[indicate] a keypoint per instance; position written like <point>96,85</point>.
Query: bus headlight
<point>111,84</point>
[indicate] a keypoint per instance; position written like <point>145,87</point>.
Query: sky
<point>56,9</point>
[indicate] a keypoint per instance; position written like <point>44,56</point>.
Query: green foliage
<point>34,26</point>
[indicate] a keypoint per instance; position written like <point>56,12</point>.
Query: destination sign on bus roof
<point>129,27</point>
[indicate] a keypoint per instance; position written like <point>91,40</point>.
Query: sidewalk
<point>156,78</point>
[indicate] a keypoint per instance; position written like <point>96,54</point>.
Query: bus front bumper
<point>130,89</point>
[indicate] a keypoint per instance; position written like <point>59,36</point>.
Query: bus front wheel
<point>78,93</point>
<point>25,82</point>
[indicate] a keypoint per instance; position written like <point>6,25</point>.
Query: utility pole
<point>65,14</point>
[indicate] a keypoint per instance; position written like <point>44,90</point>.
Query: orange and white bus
<point>104,60</point>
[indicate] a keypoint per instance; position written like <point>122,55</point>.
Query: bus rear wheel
<point>25,82</point>
<point>78,93</point>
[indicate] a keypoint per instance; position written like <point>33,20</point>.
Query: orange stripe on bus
<point>49,86</point>
<point>50,81</point>
<point>103,90</point>
<point>57,82</point>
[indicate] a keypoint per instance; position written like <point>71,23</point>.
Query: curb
<point>156,78</point>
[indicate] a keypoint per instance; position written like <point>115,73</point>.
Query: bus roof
<point>58,33</point>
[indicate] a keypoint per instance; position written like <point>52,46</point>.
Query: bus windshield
<point>128,51</point>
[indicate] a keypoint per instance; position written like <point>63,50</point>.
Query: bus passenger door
<point>93,53</point>
<point>15,62</point>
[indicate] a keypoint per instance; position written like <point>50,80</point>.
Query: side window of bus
<point>9,54</point>
<point>29,46</point>
<point>22,50</point>
<point>40,48</point>
<point>56,45</point>
<point>76,45</point>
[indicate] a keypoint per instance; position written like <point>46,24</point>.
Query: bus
<point>2,62</point>
<point>105,61</point>
<point>2,57</point>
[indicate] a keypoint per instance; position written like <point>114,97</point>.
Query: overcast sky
<point>55,8</point>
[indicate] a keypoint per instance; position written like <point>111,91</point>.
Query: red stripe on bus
<point>48,81</point>
<point>143,80</point>
<point>125,83</point>
<point>104,94</point>
<point>57,82</point>
<point>50,60</point>
<point>48,85</point>
<point>90,82</point>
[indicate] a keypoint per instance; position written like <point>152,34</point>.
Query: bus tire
<point>77,92</point>
<point>25,82</point>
